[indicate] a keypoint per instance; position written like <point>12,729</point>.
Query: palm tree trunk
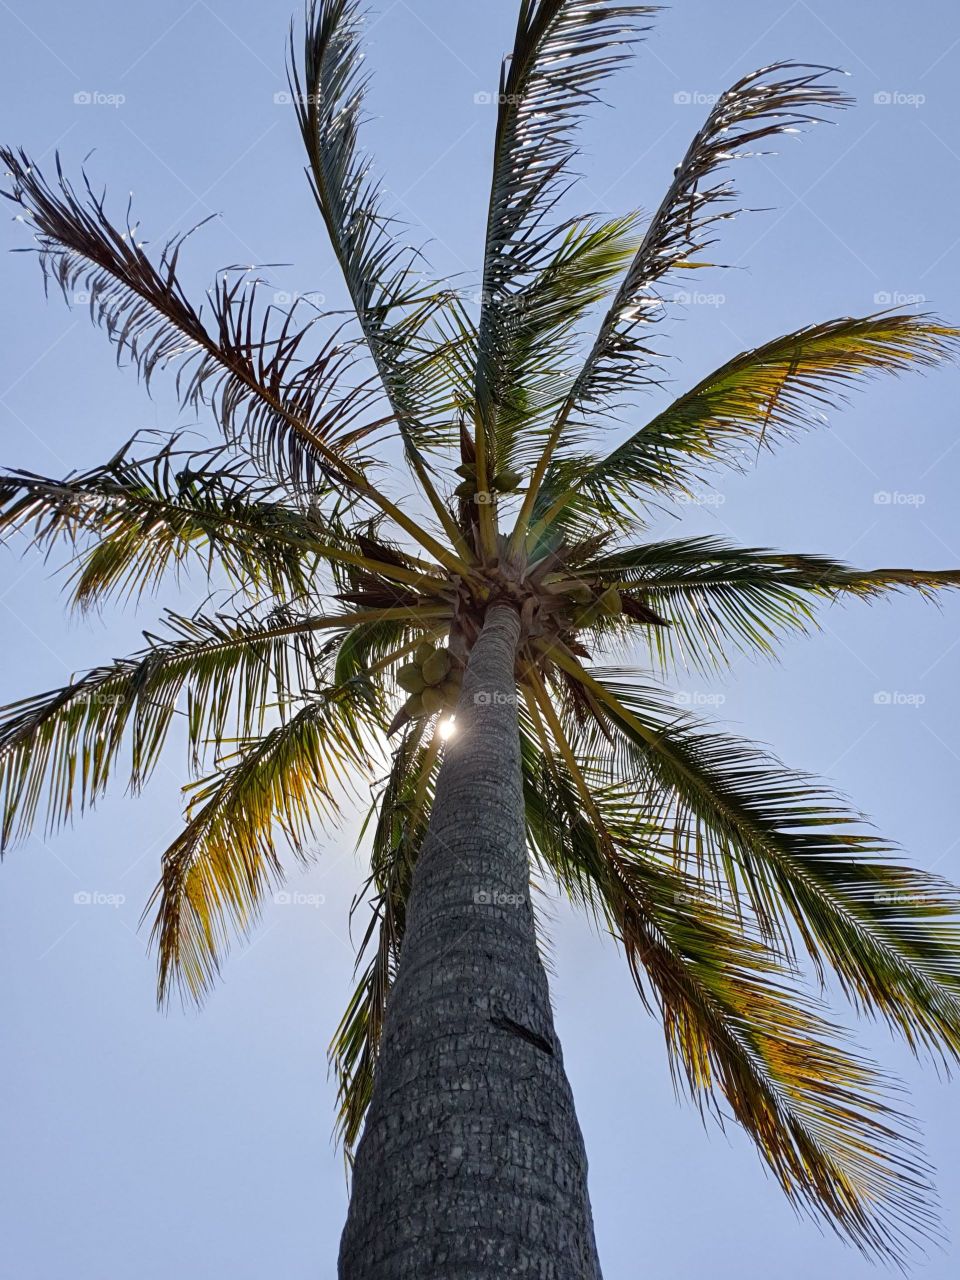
<point>471,1165</point>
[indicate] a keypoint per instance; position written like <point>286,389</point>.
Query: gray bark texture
<point>471,1165</point>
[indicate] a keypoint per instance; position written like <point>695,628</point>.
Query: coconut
<point>414,706</point>
<point>410,678</point>
<point>437,667</point>
<point>432,700</point>
<point>580,593</point>
<point>610,602</point>
<point>422,652</point>
<point>467,469</point>
<point>451,691</point>
<point>507,481</point>
<point>467,489</point>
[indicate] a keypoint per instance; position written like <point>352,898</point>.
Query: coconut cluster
<point>432,680</point>
<point>587,604</point>
<point>502,482</point>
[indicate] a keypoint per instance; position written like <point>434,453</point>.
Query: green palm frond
<point>216,872</point>
<point>784,844</point>
<point>757,107</point>
<point>563,51</point>
<point>232,673</point>
<point>718,599</point>
<point>764,104</point>
<point>157,514</point>
<point>145,517</point>
<point>535,331</point>
<point>401,314</point>
<point>739,1028</point>
<point>758,398</point>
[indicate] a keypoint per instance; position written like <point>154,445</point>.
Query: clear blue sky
<point>136,1144</point>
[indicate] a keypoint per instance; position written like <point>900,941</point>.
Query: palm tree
<point>450,649</point>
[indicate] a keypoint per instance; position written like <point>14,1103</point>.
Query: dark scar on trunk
<point>503,1023</point>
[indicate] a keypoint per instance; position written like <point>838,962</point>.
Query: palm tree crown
<point>716,869</point>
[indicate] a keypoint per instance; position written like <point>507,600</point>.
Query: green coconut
<point>610,602</point>
<point>467,489</point>
<point>437,667</point>
<point>432,700</point>
<point>467,469</point>
<point>422,652</point>
<point>507,481</point>
<point>414,706</point>
<point>450,689</point>
<point>580,593</point>
<point>410,678</point>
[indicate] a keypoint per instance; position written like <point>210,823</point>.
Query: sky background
<point>142,1144</point>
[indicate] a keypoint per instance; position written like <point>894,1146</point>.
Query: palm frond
<point>146,516</point>
<point>719,599</point>
<point>783,843</point>
<point>401,314</point>
<point>216,872</point>
<point>757,107</point>
<point>535,332</point>
<point>759,398</point>
<point>151,515</point>
<point>254,366</point>
<point>738,1026</point>
<point>65,744</point>
<point>764,104</point>
<point>563,51</point>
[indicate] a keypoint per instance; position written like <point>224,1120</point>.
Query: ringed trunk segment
<point>471,1163</point>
